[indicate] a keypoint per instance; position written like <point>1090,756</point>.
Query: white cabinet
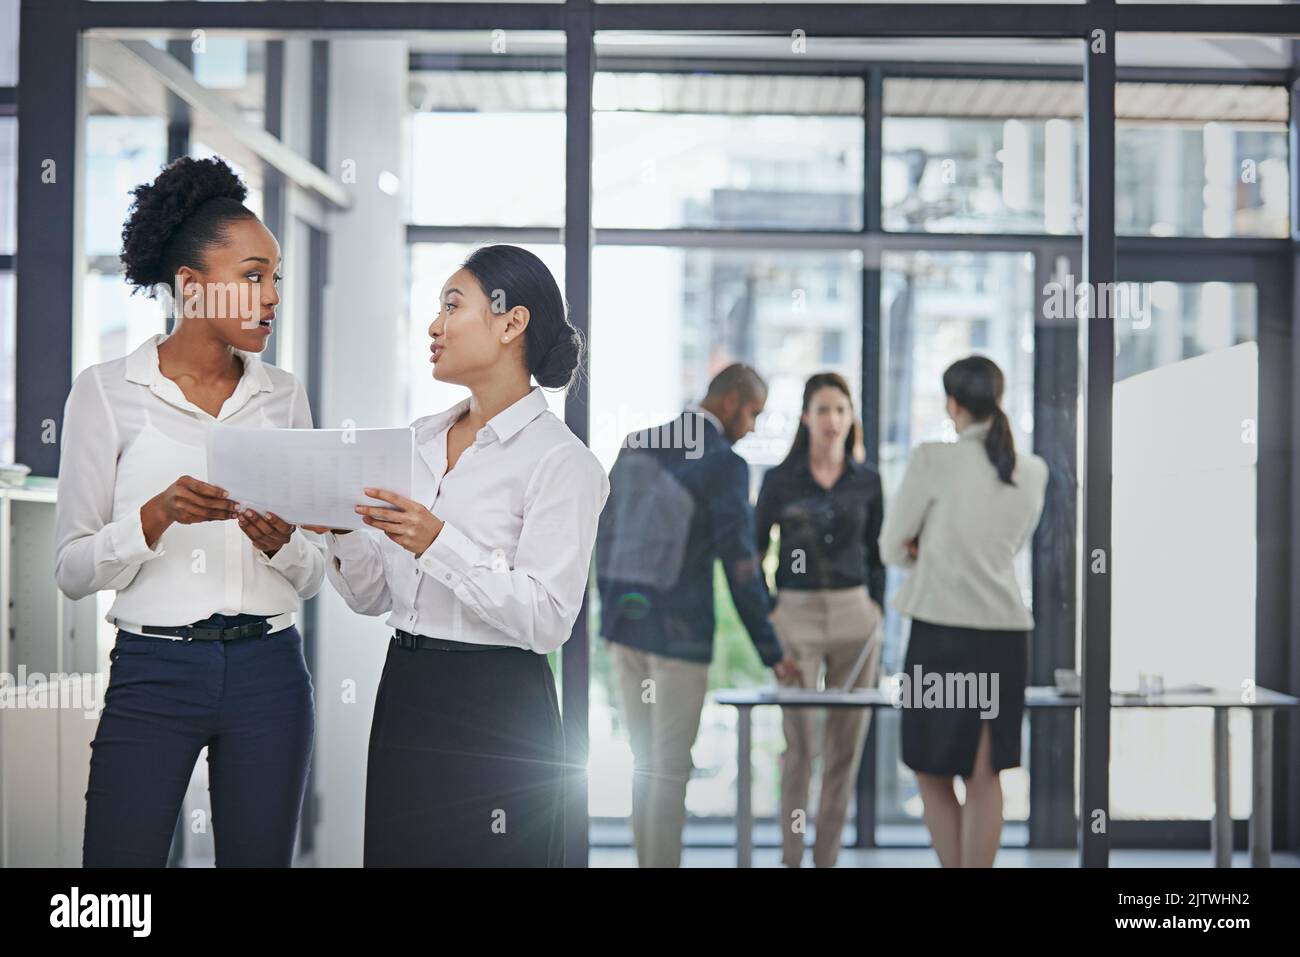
<point>53,659</point>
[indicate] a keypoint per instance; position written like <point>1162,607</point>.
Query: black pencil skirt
<point>943,740</point>
<point>466,765</point>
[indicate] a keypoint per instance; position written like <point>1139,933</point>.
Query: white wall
<point>1183,573</point>
<point>1183,538</point>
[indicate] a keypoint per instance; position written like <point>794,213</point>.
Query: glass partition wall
<point>1202,431</point>
<point>799,191</point>
<point>8,218</point>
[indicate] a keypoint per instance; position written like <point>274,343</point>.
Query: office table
<point>1262,708</point>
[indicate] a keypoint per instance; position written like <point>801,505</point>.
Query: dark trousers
<point>466,765</point>
<point>249,701</point>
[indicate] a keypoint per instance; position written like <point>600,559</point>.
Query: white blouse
<point>510,565</point>
<point>128,433</point>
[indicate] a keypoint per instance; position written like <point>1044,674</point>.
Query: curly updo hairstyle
<point>552,346</point>
<point>177,217</point>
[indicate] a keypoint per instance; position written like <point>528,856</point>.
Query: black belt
<point>253,629</point>
<point>404,639</point>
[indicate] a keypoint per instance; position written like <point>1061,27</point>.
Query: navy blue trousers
<point>249,701</point>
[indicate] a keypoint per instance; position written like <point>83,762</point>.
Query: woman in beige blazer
<point>962,513</point>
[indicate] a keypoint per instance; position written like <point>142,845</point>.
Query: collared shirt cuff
<point>451,556</point>
<point>289,554</point>
<point>351,545</point>
<point>127,538</point>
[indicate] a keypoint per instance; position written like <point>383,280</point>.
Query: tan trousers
<point>662,701</point>
<point>824,628</point>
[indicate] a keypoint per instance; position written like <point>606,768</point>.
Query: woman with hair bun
<point>207,654</point>
<point>482,574</point>
<point>963,512</point>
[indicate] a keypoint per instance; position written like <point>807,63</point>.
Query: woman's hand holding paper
<point>409,524</point>
<point>268,532</point>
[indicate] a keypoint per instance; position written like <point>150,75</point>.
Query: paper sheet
<point>310,476</point>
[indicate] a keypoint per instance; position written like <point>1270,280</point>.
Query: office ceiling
<point>470,91</point>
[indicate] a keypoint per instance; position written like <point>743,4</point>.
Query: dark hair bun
<point>512,276</point>
<point>161,233</point>
<point>556,368</point>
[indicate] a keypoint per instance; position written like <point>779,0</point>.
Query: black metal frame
<point>575,659</point>
<point>48,268</point>
<point>1283,658</point>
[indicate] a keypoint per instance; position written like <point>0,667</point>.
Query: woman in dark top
<point>830,589</point>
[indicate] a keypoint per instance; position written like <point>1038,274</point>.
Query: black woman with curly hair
<point>207,654</point>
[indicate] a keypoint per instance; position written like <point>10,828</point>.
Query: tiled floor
<point>924,857</point>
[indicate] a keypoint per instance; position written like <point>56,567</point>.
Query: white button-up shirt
<point>510,565</point>
<point>128,433</point>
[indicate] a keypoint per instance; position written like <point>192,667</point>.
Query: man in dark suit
<point>678,502</point>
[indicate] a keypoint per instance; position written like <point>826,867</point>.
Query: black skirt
<point>466,765</point>
<point>943,740</point>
